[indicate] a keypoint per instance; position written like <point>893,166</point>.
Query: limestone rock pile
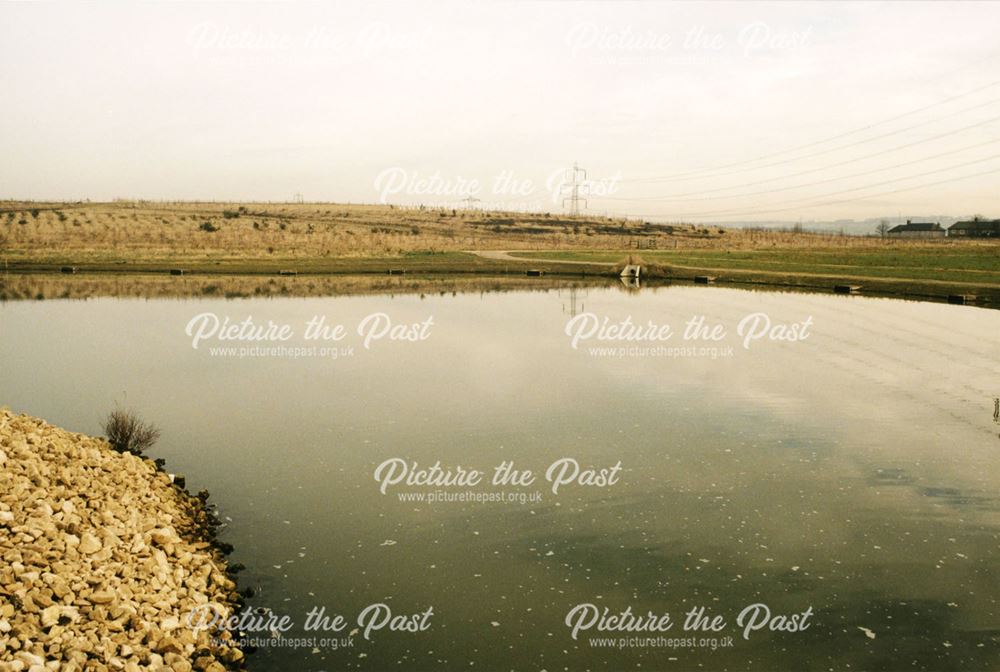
<point>101,560</point>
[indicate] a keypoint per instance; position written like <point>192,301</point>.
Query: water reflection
<point>573,300</point>
<point>630,282</point>
<point>852,472</point>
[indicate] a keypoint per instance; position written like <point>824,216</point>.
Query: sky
<point>676,111</point>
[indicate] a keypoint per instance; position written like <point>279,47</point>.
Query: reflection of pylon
<point>574,189</point>
<point>573,309</point>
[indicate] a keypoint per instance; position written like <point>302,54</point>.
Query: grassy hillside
<point>324,239</point>
<point>135,232</point>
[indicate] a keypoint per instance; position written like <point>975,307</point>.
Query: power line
<point>867,186</point>
<point>802,184</point>
<point>854,160</point>
<point>700,172</point>
<point>839,202</point>
<point>832,149</point>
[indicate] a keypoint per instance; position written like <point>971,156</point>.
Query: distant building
<point>976,228</point>
<point>916,230</point>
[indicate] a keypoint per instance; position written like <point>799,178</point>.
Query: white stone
<point>101,597</point>
<point>50,616</point>
<point>125,558</point>
<point>164,536</point>
<point>89,544</point>
<point>29,659</point>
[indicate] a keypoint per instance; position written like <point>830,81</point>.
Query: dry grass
<point>153,231</point>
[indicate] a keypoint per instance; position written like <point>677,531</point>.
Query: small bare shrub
<point>127,433</point>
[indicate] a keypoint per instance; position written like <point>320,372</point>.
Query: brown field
<point>152,231</point>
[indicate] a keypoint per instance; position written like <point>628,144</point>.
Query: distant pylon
<point>573,188</point>
<point>469,202</point>
<point>299,198</point>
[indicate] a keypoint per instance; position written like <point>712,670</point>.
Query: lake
<point>845,478</point>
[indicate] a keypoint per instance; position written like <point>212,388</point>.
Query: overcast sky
<point>432,102</point>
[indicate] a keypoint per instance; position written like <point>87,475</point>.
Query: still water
<point>852,473</point>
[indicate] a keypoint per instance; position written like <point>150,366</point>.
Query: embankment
<point>103,557</point>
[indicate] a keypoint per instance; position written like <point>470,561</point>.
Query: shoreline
<point>48,282</point>
<point>105,555</point>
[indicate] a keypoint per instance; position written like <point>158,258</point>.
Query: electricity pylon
<point>573,188</point>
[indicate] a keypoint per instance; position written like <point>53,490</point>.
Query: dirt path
<point>502,255</point>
